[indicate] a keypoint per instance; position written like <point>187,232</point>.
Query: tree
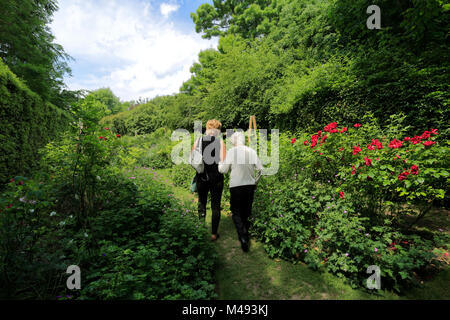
<point>242,17</point>
<point>107,97</point>
<point>27,46</point>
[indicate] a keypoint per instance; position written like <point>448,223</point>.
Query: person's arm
<point>224,166</point>
<point>258,168</point>
<point>195,146</point>
<point>223,151</point>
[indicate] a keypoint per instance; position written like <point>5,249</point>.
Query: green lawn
<point>255,276</point>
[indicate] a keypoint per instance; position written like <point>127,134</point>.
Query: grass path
<point>254,276</point>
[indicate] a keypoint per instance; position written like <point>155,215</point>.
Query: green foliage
<point>27,47</point>
<point>107,97</point>
<point>340,208</point>
<point>27,123</point>
<point>127,233</point>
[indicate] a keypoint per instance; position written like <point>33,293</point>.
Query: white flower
<point>71,216</point>
<point>22,200</point>
<point>62,223</point>
<point>53,213</point>
<point>31,210</point>
<point>86,235</point>
<point>98,178</point>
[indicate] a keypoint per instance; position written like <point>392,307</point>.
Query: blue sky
<point>138,48</point>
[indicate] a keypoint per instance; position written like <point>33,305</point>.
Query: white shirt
<point>243,162</point>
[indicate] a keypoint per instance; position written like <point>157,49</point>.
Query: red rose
<point>357,125</point>
<point>101,138</point>
<point>330,127</point>
<point>406,139</point>
<point>306,142</point>
<point>118,135</point>
<point>377,144</point>
<point>293,140</point>
<point>344,130</point>
<point>356,150</point>
<point>403,176</point>
<point>341,195</point>
<point>371,147</point>
<point>429,143</point>
<point>425,135</point>
<point>414,170</point>
<point>368,161</point>
<point>415,140</point>
<point>395,144</point>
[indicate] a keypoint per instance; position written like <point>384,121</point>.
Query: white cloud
<point>167,8</point>
<point>126,46</point>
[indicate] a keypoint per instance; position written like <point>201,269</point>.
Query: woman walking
<point>211,180</point>
<point>243,162</point>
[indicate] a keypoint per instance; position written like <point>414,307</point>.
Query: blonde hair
<point>213,124</point>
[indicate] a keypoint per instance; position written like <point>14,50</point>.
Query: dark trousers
<point>241,201</point>
<point>215,188</point>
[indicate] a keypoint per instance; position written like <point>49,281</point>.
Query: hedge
<point>26,124</point>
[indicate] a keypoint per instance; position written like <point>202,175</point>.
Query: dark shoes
<point>244,245</point>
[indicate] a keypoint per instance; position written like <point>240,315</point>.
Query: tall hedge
<point>26,124</point>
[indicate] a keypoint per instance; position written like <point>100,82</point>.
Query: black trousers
<point>241,201</point>
<point>215,188</point>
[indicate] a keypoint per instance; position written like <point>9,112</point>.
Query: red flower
<point>377,144</point>
<point>118,135</point>
<point>357,125</point>
<point>433,131</point>
<point>356,150</point>
<point>414,170</point>
<point>9,206</point>
<point>21,183</point>
<point>341,195</point>
<point>415,140</point>
<point>371,147</point>
<point>425,135</point>
<point>353,169</point>
<point>397,157</point>
<point>106,128</point>
<point>344,130</point>
<point>323,139</point>
<point>395,144</point>
<point>368,161</point>
<point>378,159</point>
<point>342,149</point>
<point>314,140</point>
<point>429,143</point>
<point>11,181</point>
<point>330,127</point>
<point>306,142</point>
<point>406,139</point>
<point>293,140</point>
<point>101,138</point>
<point>403,175</point>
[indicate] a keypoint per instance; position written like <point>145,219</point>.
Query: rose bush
<point>348,196</point>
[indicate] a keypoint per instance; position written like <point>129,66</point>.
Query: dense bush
<point>345,196</point>
<point>129,236</point>
<point>26,124</point>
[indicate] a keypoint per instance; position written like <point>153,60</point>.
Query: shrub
<point>26,124</point>
<point>341,196</point>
